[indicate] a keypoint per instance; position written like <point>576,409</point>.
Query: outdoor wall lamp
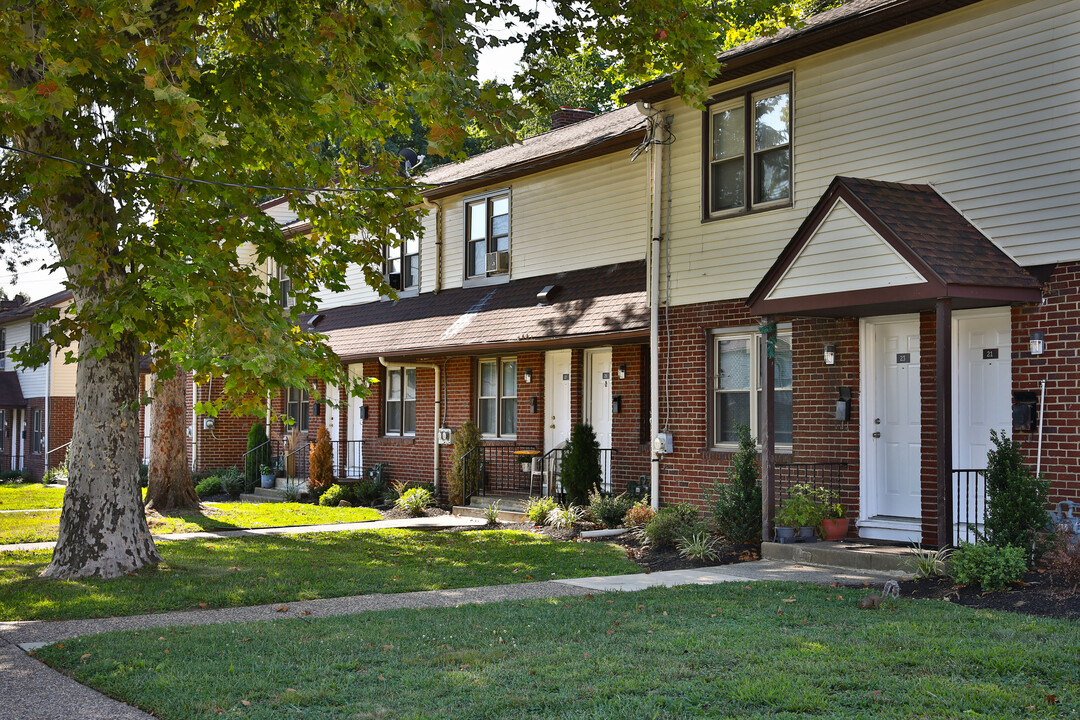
<point>830,353</point>
<point>622,371</point>
<point>528,375</point>
<point>1037,342</point>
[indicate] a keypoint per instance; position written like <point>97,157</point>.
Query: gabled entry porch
<point>902,349</point>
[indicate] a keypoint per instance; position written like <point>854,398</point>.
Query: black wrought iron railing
<point>969,504</point>
<point>269,454</point>
<point>828,475</point>
<point>348,458</point>
<point>498,470</point>
<point>551,466</point>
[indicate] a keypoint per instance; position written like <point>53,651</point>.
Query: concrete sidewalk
<point>33,691</point>
<point>439,522</point>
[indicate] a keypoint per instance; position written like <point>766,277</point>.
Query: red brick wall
<point>61,422</point>
<point>34,462</point>
<point>632,459</point>
<point>1059,319</point>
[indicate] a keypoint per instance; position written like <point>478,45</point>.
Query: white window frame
<point>37,431</point>
<point>286,299</point>
<point>37,331</point>
<point>3,348</point>
<point>747,99</point>
<point>489,240</point>
<point>405,372</point>
<point>399,254</point>
<point>500,398</point>
<point>756,342</point>
<point>298,398</point>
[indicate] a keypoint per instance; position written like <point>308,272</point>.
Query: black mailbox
<point>1025,412</point>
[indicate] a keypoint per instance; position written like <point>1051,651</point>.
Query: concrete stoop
<point>889,559</point>
<point>270,495</point>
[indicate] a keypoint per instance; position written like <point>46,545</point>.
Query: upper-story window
<point>400,405</point>
<point>3,348</point>
<point>37,331</point>
<point>487,235</point>
<point>402,267</point>
<point>748,153</point>
<point>285,293</point>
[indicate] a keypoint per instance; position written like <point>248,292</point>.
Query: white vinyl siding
<point>34,382</point>
<point>979,102</point>
<point>844,254</point>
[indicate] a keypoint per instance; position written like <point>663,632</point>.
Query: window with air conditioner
<point>487,236</point>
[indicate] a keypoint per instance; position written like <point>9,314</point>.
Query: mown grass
<point>255,570</point>
<point>773,650</point>
<point>43,526</point>
<point>30,496</point>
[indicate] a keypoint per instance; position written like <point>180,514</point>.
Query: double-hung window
<point>748,151</point>
<point>496,404</point>
<point>37,331</point>
<point>401,401</point>
<point>285,293</point>
<point>296,408</point>
<point>738,385</point>
<point>403,265</point>
<point>487,236</point>
<point>3,348</point>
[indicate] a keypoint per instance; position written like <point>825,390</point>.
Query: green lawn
<point>42,526</point>
<point>282,568</point>
<point>30,496</point>
<point>774,650</point>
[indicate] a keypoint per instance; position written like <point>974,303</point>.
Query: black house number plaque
<point>903,357</point>
<point>990,353</point>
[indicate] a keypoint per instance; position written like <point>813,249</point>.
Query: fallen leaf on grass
<point>60,646</point>
<point>788,600</point>
<point>387,647</point>
<point>290,689</point>
<point>305,612</point>
<point>204,605</point>
<point>245,703</point>
<point>1051,700</point>
<point>283,608</point>
<point>88,655</point>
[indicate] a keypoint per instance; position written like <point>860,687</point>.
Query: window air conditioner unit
<point>498,262</point>
<point>394,280</point>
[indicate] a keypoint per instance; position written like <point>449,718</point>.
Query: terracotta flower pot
<point>835,528</point>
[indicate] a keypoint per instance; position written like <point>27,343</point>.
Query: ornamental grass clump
<point>537,508</point>
<point>414,501</point>
<point>564,517</point>
<point>698,544</point>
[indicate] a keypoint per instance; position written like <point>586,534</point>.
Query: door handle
<point>877,434</point>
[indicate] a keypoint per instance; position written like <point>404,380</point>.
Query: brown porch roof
<point>953,258</point>
<point>594,306</point>
<point>10,390</point>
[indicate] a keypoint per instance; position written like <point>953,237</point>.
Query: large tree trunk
<point>170,485</point>
<point>103,531</point>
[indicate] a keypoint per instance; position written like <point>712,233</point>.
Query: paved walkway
<point>439,522</point>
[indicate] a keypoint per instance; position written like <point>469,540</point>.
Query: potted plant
<point>267,476</point>
<point>834,526</point>
<point>785,523</point>
<point>804,511</point>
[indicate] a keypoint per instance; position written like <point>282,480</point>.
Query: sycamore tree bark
<point>170,487</point>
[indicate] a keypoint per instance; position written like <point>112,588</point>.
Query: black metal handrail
<point>969,505</point>
<point>551,466</point>
<point>348,458</point>
<point>497,470</point>
<point>816,474</point>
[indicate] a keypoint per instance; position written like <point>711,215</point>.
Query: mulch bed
<point>1038,594</point>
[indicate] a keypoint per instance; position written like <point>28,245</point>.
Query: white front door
<point>598,402</point>
<point>354,450</point>
<point>557,369</point>
<point>333,412</point>
<point>982,401</point>
<point>891,427</point>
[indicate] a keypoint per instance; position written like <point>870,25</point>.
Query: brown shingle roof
<point>10,390</point>
<point>28,309</point>
<point>605,133</point>
<point>599,304</point>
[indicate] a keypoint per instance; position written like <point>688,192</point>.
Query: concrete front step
<point>890,559</point>
<point>253,498</point>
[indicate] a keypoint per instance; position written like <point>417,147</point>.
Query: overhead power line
<point>199,181</point>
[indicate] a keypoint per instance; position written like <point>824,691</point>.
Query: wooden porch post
<point>768,434</point>
<point>944,422</point>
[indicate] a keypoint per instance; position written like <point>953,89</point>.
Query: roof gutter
<point>438,413</point>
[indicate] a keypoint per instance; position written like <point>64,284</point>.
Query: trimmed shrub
<point>736,505</point>
<point>256,458</point>
<point>670,523</point>
<point>1015,498</point>
<point>639,515</point>
<point>609,510</point>
<point>321,464</point>
<point>15,476</point>
<point>335,494</point>
<point>209,486</point>
<point>538,508</point>
<point>466,438</point>
<point>580,469</point>
<point>989,566</point>
<point>414,501</point>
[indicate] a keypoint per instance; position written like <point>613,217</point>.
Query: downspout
<point>438,411</point>
<point>653,255</point>
<point>45,422</point>
<point>194,426</point>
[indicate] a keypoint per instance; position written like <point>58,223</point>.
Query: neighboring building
<point>37,406</point>
<point>889,190</point>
